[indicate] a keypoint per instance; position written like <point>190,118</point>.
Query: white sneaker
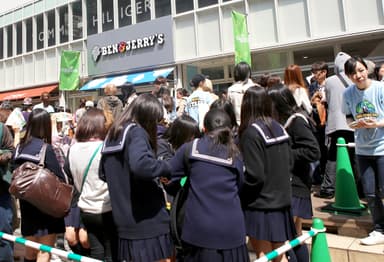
<point>374,238</point>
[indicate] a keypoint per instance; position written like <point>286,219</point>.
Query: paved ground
<point>336,223</point>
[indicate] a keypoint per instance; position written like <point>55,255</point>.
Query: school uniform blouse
<point>130,168</point>
<point>305,149</point>
<point>213,214</point>
<point>267,160</point>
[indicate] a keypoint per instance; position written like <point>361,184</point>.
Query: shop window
<point>213,73</point>
<point>39,31</point>
<point>9,41</point>
<point>107,15</point>
<point>364,48</point>
<point>51,36</point>
<point>1,43</point>
<point>19,38</point>
<point>183,6</point>
<point>28,27</point>
<point>269,61</point>
<point>125,13</point>
<point>63,23</point>
<point>204,3</point>
<point>77,20</point>
<point>92,19</point>
<point>309,56</point>
<point>163,8</point>
<point>143,10</point>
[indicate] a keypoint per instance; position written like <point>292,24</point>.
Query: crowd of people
<point>129,157</point>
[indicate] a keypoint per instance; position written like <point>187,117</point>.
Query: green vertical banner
<point>69,70</point>
<point>240,33</point>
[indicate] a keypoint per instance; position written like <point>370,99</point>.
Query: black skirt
<point>36,223</point>
<point>198,254</point>
<point>144,250</point>
<point>272,226</point>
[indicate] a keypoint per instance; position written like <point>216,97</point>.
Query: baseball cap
<point>27,101</point>
<point>89,104</point>
<point>195,81</point>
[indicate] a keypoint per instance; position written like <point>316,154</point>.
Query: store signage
<point>126,46</point>
<point>124,11</point>
<point>130,48</point>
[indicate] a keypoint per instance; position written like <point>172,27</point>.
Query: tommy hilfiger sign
<point>126,46</point>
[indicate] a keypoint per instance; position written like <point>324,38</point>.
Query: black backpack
<point>177,212</point>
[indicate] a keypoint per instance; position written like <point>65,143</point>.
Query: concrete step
<point>348,249</point>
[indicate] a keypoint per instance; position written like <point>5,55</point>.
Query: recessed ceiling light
<point>305,57</point>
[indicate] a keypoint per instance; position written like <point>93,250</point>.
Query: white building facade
<point>197,37</point>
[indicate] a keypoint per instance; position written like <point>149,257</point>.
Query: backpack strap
<point>1,133</point>
<point>89,165</point>
<point>342,80</point>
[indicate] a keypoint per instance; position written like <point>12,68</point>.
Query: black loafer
<point>323,194</point>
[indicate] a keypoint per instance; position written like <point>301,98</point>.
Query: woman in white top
<point>293,78</point>
<point>94,201</point>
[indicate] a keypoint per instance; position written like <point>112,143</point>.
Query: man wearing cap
<point>199,101</point>
<point>89,104</point>
<point>336,125</point>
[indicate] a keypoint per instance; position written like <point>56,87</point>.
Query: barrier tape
<point>347,145</point>
<point>45,248</point>
<point>293,243</point>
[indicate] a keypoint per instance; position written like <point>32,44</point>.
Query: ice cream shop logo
<point>127,46</point>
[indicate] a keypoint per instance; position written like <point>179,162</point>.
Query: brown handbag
<point>41,187</point>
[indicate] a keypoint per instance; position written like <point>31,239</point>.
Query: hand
<point>164,180</point>
<point>366,123</point>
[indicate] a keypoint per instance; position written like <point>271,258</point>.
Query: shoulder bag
<point>41,187</point>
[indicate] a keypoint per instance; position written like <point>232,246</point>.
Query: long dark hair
<point>146,111</point>
<point>39,125</point>
<point>284,104</point>
<point>183,129</point>
<point>226,105</point>
<point>256,105</point>
<point>218,126</point>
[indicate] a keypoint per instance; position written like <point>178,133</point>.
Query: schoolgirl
<point>36,225</point>
<point>94,200</point>
<point>214,223</point>
<point>305,149</point>
<point>130,168</point>
<point>266,195</point>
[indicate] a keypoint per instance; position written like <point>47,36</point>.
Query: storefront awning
<point>136,78</point>
<point>31,92</point>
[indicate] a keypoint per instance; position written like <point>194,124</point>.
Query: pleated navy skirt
<point>272,226</point>
<point>144,250</point>
<point>302,207</point>
<point>198,254</point>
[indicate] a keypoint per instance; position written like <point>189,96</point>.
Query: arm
<point>6,146</point>
<point>52,163</point>
<point>141,158</point>
<point>305,146</point>
<point>253,156</point>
